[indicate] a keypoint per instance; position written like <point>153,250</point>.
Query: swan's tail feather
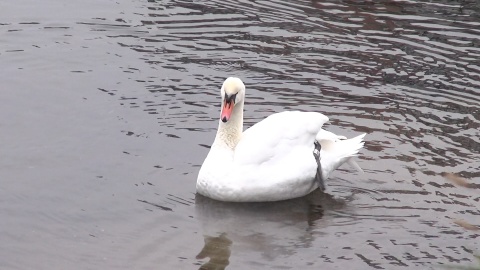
<point>344,148</point>
<point>351,161</point>
<point>336,151</point>
<point>354,144</point>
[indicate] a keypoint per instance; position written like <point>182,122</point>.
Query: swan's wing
<point>278,137</point>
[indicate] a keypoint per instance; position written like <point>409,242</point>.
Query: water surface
<point>108,110</point>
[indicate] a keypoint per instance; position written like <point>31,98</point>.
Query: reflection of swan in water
<point>218,250</point>
<point>271,229</point>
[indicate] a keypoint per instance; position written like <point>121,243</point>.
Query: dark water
<point>108,108</point>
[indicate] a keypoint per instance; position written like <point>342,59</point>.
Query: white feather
<point>272,160</point>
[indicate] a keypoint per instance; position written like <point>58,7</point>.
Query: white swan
<point>274,159</point>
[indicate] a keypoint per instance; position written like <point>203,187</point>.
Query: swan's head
<point>233,93</point>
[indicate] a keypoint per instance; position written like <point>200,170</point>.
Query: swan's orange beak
<point>227,110</point>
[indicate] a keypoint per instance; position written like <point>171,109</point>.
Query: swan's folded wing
<point>277,137</point>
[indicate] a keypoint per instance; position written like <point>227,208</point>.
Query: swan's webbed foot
<point>318,176</point>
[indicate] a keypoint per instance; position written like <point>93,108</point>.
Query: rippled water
<point>109,109</point>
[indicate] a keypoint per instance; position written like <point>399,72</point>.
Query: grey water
<point>108,109</point>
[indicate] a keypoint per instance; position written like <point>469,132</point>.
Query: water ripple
<point>405,72</point>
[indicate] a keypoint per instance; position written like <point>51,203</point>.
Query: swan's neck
<point>229,133</point>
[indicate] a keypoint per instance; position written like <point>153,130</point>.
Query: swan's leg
<point>318,176</point>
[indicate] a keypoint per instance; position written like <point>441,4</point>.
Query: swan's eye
<point>230,99</point>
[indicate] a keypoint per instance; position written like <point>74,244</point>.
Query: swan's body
<point>272,160</point>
